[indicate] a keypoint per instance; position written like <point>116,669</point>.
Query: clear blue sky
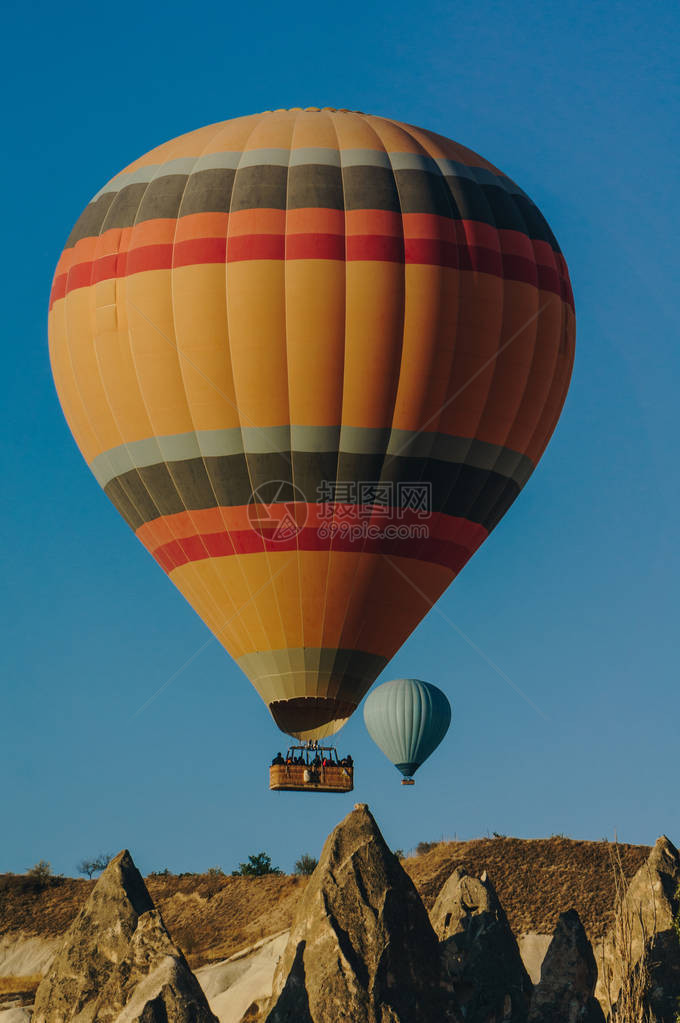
<point>575,595</point>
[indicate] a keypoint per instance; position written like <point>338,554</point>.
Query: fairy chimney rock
<point>644,932</point>
<point>361,947</point>
<point>118,964</point>
<point>568,976</point>
<point>479,950</point>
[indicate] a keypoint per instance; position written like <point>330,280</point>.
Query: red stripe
<point>148,257</point>
<point>317,246</point>
<point>219,545</point>
<point>255,246</point>
<point>450,542</point>
<point>383,248</point>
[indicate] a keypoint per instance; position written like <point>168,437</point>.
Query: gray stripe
<point>265,440</point>
<point>217,161</point>
<point>356,440</point>
<point>309,155</point>
<point>478,453</point>
<point>314,154</point>
<point>315,438</point>
<point>268,157</point>
<point>365,158</point>
<point>182,165</point>
<point>324,660</point>
<point>364,440</point>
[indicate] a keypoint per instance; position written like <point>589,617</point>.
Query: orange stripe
<point>240,518</point>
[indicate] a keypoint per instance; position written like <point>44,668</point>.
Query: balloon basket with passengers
<point>311,767</point>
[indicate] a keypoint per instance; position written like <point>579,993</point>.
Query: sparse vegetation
<point>41,872</point>
<point>425,847</point>
<point>498,834</point>
<point>96,865</point>
<point>230,913</point>
<point>161,873</point>
<point>630,1004</point>
<point>213,872</point>
<point>399,853</point>
<point>258,865</point>
<point>306,865</point>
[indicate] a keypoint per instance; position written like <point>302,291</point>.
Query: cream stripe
<point>354,440</point>
<point>311,155</point>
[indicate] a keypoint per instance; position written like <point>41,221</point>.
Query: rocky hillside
<point>213,917</point>
<point>365,940</point>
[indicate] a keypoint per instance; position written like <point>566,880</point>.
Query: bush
<point>399,853</point>
<point>257,866</point>
<point>161,873</point>
<point>94,866</point>
<point>215,872</point>
<point>306,865</point>
<point>41,871</point>
<point>425,847</point>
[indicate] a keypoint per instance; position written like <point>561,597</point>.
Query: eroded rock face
<point>479,951</point>
<point>361,948</point>
<point>566,989</point>
<point>644,929</point>
<point>118,963</point>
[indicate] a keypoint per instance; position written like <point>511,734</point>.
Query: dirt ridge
<point>211,918</point>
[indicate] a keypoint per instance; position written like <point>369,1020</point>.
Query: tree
<point>94,866</point>
<point>41,871</point>
<point>257,866</point>
<point>306,865</point>
<point>425,847</point>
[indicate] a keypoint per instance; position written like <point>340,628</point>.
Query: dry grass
<point>213,917</point>
<point>633,948</point>
<point>536,879</point>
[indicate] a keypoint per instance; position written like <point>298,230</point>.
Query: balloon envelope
<point>312,357</point>
<point>407,719</point>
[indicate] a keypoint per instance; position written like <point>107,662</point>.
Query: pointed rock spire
<point>479,950</point>
<point>643,932</point>
<point>118,963</point>
<point>361,948</point>
<point>568,976</point>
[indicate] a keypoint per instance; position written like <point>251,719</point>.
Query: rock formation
<point>118,963</point>
<point>479,951</point>
<point>568,977</point>
<point>643,936</point>
<point>361,948</point>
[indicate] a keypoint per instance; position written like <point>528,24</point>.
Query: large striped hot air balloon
<point>312,357</point>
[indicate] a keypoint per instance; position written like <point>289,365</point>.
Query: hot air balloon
<point>407,719</point>
<point>312,357</point>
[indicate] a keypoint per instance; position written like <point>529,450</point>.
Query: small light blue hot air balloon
<point>407,719</point>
